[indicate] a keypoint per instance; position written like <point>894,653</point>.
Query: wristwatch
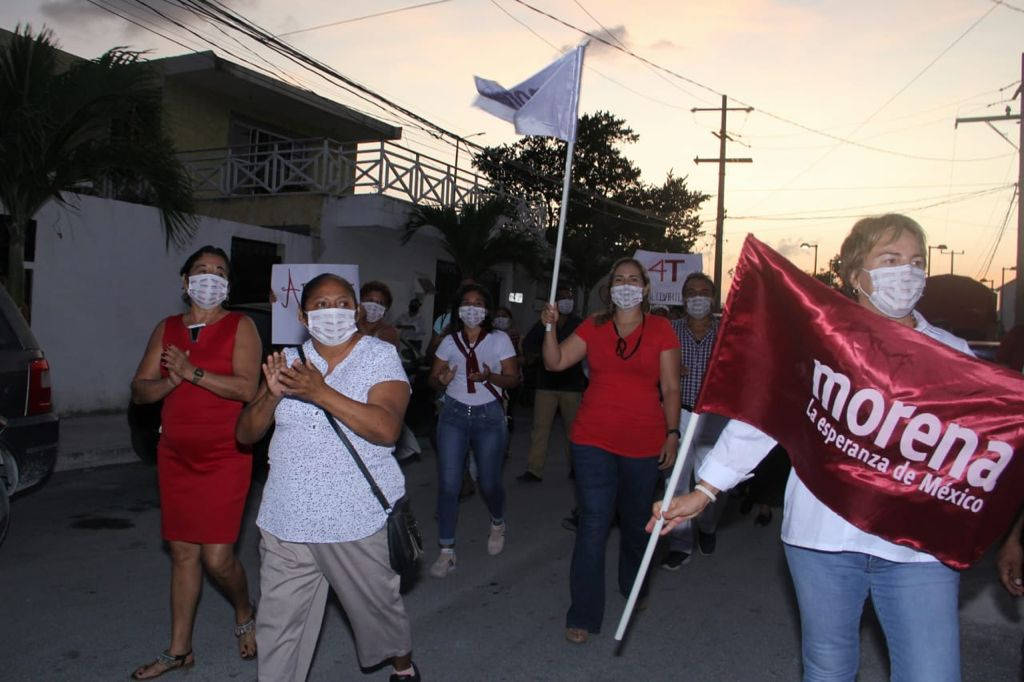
<point>675,431</point>
<point>197,374</point>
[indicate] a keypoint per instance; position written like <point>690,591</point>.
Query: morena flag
<point>902,436</point>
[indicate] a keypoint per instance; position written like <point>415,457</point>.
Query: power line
<point>225,15</point>
<point>859,188</point>
<point>182,26</point>
<point>931,63</point>
<point>966,196</point>
<point>587,66</point>
<point>710,89</point>
<point>365,16</point>
<point>889,101</point>
<point>843,126</point>
<point>1009,6</point>
<point>623,45</point>
<point>273,71</point>
<point>273,67</point>
<point>999,236</point>
<point>136,23</point>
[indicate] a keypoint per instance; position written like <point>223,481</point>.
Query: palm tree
<point>479,236</point>
<point>83,126</point>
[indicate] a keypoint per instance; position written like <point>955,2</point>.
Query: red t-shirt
<point>621,409</point>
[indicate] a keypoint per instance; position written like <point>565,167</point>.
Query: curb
<point>71,461</point>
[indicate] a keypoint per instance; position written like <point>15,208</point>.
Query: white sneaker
<point>496,539</point>
<point>444,565</point>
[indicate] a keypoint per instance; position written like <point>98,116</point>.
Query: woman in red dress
<point>205,366</point>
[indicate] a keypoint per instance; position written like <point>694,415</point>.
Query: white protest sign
<point>287,281</point>
<point>667,272</point>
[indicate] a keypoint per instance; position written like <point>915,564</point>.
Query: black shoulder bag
<point>405,544</point>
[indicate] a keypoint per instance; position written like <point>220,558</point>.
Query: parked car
<point>144,420</point>
<point>30,427</point>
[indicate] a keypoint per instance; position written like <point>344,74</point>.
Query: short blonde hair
<point>868,233</point>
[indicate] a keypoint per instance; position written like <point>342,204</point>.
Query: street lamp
<point>459,140</point>
<point>805,245</point>
<point>942,249</point>
<point>991,284</point>
<point>1002,287</point>
<point>1012,268</point>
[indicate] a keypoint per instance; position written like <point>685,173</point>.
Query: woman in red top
<point>623,434</point>
<point>205,366</point>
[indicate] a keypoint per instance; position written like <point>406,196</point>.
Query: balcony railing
<point>328,167</point>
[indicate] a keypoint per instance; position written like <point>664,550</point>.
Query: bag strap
<point>355,455</point>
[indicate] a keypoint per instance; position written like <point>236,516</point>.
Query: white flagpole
<point>567,180</point>
<point>652,542</point>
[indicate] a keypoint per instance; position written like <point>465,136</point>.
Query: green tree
<point>612,212</point>
<point>478,237</point>
<point>831,275</point>
<point>83,126</point>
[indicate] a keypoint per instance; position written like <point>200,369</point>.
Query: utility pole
<point>722,136</point>
<point>1018,304</point>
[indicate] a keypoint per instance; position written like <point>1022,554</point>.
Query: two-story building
<point>281,174</point>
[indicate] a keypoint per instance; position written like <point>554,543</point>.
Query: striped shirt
<point>695,355</point>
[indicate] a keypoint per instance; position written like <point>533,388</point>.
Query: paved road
<point>83,580</point>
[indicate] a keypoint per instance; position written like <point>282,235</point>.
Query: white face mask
<point>207,290</point>
<point>698,307</point>
<point>472,315</point>
<point>502,323</point>
<point>627,295</point>
<point>896,289</point>
<point>374,311</point>
<point>331,326</point>
<point>565,305</point>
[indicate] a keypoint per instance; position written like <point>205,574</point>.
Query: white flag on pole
<point>543,104</point>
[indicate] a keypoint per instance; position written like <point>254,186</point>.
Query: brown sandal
<point>576,635</point>
<point>169,662</point>
<point>248,628</point>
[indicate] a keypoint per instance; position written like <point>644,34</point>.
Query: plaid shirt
<point>695,356</point>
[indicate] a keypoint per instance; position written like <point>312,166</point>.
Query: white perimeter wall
<point>103,280</point>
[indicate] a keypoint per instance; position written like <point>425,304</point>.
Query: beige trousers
<point>295,578</point>
<point>545,404</point>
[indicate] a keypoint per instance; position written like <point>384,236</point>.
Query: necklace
<point>620,344</point>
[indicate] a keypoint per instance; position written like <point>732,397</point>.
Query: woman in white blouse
<point>321,526</point>
<point>473,365</point>
<point>834,565</point>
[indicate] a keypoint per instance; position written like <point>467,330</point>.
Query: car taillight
<point>39,396</point>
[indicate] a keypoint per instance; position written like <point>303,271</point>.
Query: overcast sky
<point>854,101</point>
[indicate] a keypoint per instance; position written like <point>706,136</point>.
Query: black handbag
<point>405,544</point>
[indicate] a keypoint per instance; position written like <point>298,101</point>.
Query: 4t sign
<point>667,272</point>
<point>666,269</point>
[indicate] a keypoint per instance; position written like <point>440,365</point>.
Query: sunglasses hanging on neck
<point>620,343</point>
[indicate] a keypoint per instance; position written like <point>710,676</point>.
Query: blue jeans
<point>460,427</point>
<point>916,604</point>
<point>606,482</point>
